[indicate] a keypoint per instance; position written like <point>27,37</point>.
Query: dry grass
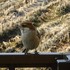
<point>47,17</point>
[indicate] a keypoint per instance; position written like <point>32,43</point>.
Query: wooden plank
<point>29,60</point>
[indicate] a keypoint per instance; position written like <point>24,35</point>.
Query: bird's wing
<point>38,34</point>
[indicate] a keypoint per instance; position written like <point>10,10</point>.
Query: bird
<point>30,36</point>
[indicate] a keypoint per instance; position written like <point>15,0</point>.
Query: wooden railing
<point>57,61</point>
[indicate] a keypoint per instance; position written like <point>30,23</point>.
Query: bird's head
<point>27,25</point>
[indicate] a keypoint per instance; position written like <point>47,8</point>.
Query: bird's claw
<point>36,52</point>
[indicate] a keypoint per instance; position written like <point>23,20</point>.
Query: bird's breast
<point>30,39</point>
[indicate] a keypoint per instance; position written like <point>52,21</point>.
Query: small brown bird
<point>30,36</point>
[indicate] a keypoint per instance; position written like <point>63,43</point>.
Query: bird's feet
<point>36,52</point>
<point>26,52</point>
